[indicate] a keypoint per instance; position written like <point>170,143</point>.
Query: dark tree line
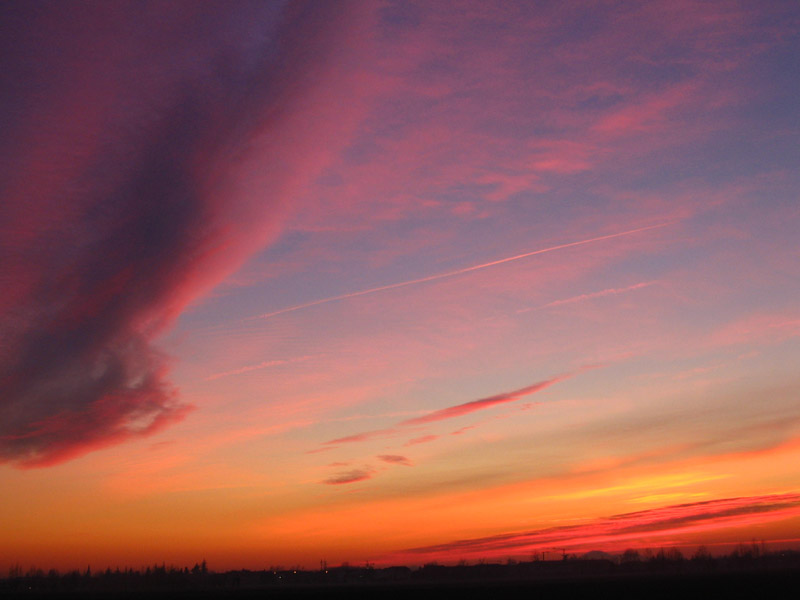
<point>752,558</point>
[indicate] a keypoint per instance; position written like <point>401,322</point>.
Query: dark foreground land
<point>751,585</point>
<point>774,576</point>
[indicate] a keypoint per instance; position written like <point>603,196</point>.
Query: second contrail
<point>458,271</point>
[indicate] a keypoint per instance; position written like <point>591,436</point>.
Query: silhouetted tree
<point>630,555</point>
<point>674,555</point>
<point>701,554</point>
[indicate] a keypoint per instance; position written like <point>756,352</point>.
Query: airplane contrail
<point>486,265</point>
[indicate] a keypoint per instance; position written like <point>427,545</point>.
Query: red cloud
<point>623,530</point>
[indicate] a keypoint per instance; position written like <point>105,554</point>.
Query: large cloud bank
<point>147,150</point>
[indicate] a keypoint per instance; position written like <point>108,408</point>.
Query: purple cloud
<point>130,135</point>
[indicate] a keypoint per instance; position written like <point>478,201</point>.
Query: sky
<point>396,282</point>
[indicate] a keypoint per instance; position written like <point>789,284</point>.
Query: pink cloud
<point>650,113</point>
<point>451,412</point>
<point>758,328</point>
<point>562,157</point>
<point>422,440</point>
<point>484,403</point>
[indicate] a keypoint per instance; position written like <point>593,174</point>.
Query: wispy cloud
<point>362,437</point>
<point>582,297</point>
<point>264,365</point>
<point>463,271</point>
<point>758,329</point>
<point>423,439</point>
<point>454,411</point>
<point>484,403</point>
<point>464,429</point>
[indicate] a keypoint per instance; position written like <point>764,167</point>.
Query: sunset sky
<point>283,282</point>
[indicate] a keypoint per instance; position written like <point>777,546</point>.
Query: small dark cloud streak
<point>352,476</point>
<point>395,459</point>
<point>363,437</point>
<point>127,131</point>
